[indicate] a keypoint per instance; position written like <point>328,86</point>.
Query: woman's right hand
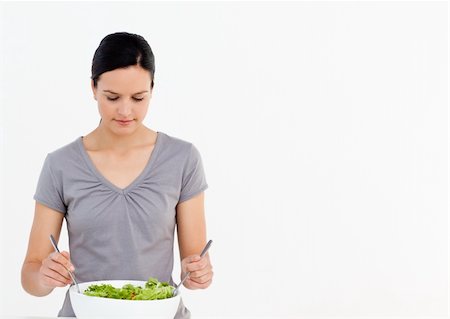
<point>53,271</point>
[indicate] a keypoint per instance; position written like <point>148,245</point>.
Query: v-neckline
<point>108,183</point>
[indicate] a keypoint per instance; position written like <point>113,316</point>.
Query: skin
<point>120,151</point>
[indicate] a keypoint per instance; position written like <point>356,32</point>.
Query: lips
<point>124,122</point>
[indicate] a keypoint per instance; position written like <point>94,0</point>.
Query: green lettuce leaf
<point>153,290</point>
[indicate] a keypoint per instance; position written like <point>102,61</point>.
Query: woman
<point>122,188</point>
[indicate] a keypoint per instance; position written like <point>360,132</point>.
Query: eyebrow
<point>118,93</point>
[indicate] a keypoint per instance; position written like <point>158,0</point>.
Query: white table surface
<point>259,317</point>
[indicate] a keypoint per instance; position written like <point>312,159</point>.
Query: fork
<point>175,291</point>
<point>52,240</point>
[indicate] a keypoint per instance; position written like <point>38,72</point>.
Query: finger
<point>198,265</point>
<point>60,270</point>
<point>193,258</point>
<point>50,279</point>
<point>58,276</point>
<point>187,261</point>
<point>200,273</point>
<point>67,255</point>
<point>202,279</point>
<point>193,285</point>
<point>52,267</point>
<point>57,267</point>
<point>51,282</point>
<point>61,259</point>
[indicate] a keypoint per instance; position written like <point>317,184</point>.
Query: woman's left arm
<point>191,230</point>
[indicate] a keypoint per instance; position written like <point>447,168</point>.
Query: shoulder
<point>174,140</point>
<point>66,154</point>
<point>176,148</point>
<point>177,144</point>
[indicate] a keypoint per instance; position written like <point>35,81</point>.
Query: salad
<point>153,290</point>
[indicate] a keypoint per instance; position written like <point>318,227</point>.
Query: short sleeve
<point>48,190</point>
<point>194,180</point>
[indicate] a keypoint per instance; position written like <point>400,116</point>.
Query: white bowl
<point>89,307</point>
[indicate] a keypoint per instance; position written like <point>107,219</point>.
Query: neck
<point>105,139</point>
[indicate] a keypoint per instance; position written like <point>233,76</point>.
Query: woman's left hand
<point>201,273</point>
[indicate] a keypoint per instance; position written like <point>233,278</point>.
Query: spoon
<point>175,291</point>
<point>52,240</point>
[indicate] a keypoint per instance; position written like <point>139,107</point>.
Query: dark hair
<point>120,50</point>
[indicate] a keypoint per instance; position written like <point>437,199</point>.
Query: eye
<point>114,99</point>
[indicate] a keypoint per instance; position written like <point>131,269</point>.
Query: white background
<point>323,128</point>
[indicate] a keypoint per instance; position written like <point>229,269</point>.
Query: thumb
<point>69,265</point>
<point>194,258</point>
<point>66,254</point>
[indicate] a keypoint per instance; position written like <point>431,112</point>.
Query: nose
<point>124,109</point>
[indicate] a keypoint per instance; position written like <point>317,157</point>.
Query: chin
<point>123,131</point>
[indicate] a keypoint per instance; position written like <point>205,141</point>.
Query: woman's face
<point>123,96</point>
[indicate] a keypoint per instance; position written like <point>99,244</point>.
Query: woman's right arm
<point>43,269</point>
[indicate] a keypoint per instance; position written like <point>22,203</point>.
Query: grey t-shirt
<point>121,233</point>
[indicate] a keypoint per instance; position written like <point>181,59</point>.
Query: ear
<point>150,93</point>
<point>94,89</point>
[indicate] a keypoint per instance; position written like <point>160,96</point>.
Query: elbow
<point>24,279</point>
<point>29,280</point>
